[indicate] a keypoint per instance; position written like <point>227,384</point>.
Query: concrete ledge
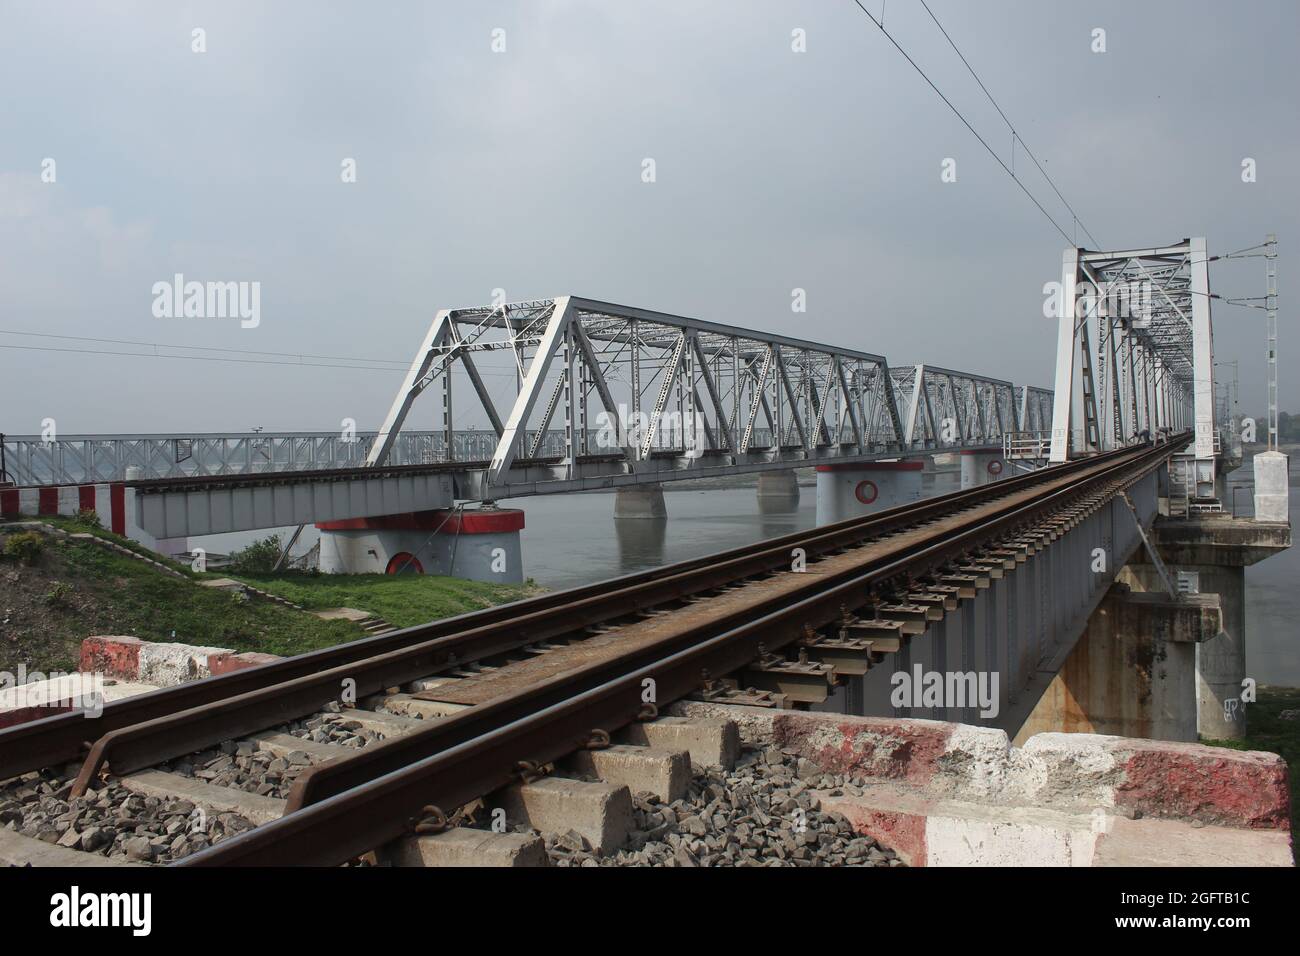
<point>934,832</point>
<point>226,662</point>
<point>66,692</point>
<point>957,794</point>
<point>462,846</point>
<point>162,664</point>
<point>1195,618</point>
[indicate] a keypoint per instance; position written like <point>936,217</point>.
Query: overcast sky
<point>521,170</point>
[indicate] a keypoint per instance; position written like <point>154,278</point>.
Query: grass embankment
<point>402,600</point>
<point>74,589</point>
<point>1266,730</point>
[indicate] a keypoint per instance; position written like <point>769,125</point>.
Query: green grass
<point>77,589</point>
<point>73,526</point>
<point>111,594</point>
<point>401,600</point>
<point>1266,730</point>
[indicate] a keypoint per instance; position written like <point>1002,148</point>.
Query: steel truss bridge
<point>603,395</point>
<point>638,396</point>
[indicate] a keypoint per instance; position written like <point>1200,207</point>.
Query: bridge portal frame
<point>1135,351</point>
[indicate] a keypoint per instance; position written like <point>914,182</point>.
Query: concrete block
<point>112,656</point>
<point>170,664</point>
<point>601,812</point>
<point>711,742</point>
<point>928,831</point>
<point>753,723</point>
<point>1272,487</point>
<point>883,747</point>
<point>462,846</point>
<point>665,773</point>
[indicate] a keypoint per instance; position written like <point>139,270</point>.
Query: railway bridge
<point>1096,585</point>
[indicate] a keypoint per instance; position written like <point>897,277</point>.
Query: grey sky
<point>521,170</point>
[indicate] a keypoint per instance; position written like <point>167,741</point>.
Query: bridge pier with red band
<point>480,544</point>
<point>849,490</point>
<point>979,467</point>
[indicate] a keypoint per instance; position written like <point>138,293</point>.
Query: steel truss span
<point>644,396</point>
<point>1135,349</point>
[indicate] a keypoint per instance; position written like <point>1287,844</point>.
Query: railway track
<point>510,690</point>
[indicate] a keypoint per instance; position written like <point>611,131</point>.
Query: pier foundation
<point>479,545</point>
<point>850,490</point>
<point>981,467</point>
<point>1133,671</point>
<point>778,484</point>
<point>640,501</point>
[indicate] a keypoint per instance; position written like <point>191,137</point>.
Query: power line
<point>965,122</point>
<point>372,364</point>
<point>195,348</point>
<point>1015,136</point>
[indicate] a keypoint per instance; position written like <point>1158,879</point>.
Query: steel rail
<point>353,821</point>
<point>150,741</point>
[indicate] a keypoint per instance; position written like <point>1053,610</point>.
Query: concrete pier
<point>640,501</point>
<point>850,490</point>
<point>1150,664</point>
<point>778,484</point>
<point>1133,671</point>
<point>480,544</point>
<point>981,467</point>
<point>1215,550</point>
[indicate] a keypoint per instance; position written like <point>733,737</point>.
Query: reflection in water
<point>640,543</point>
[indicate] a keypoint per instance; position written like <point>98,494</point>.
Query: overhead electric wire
<point>1010,125</point>
<point>375,364</point>
<point>992,152</point>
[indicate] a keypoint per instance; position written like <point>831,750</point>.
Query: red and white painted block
<point>951,794</point>
<point>162,664</point>
<point>108,501</point>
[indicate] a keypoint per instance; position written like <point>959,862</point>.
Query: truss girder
<point>699,394</point>
<point>1134,349</point>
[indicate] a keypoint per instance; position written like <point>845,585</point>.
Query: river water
<point>574,539</point>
